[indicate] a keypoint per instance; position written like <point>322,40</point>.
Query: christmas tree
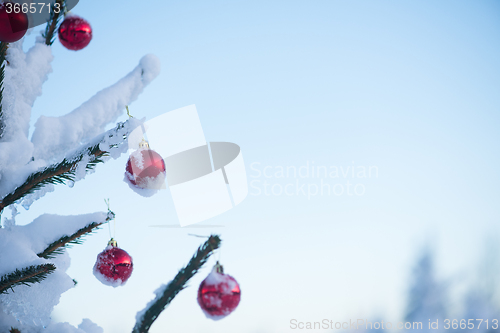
<point>427,296</point>
<point>62,150</point>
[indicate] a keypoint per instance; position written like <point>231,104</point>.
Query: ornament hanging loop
<point>128,112</point>
<point>113,243</point>
<point>219,268</point>
<point>111,216</point>
<point>143,144</point>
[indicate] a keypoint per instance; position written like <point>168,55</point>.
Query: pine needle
<point>25,276</point>
<point>176,285</point>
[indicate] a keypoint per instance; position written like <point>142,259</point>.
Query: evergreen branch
<point>55,174</point>
<point>53,22</point>
<point>58,246</point>
<point>3,51</point>
<point>154,309</point>
<point>14,330</point>
<point>25,276</point>
<point>61,172</point>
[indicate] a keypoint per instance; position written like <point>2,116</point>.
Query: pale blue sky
<point>408,87</point>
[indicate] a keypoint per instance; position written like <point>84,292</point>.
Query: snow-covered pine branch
<point>61,150</point>
<point>21,161</point>
<point>43,236</point>
<point>33,184</point>
<point>25,74</point>
<point>58,246</point>
<point>47,37</point>
<point>166,293</point>
<point>25,276</point>
<point>54,136</point>
<point>22,247</point>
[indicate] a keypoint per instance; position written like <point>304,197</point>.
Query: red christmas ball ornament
<point>219,294</point>
<point>145,168</point>
<point>113,266</point>
<point>74,33</point>
<point>13,26</point>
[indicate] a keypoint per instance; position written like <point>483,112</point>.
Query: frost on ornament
<point>145,171</point>
<point>219,294</point>
<point>113,266</point>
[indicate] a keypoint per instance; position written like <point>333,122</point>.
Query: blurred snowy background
<point>407,88</point>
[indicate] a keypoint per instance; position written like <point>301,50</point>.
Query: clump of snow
<point>8,223</point>
<point>14,175</point>
<point>149,185</point>
<point>155,183</point>
<point>14,154</point>
<point>19,245</point>
<point>144,192</point>
<point>54,136</point>
<point>139,317</point>
<point>28,200</point>
<point>33,304</point>
<point>89,327</point>
<point>137,158</point>
<point>225,281</point>
<point>25,74</point>
<point>113,142</point>
<point>214,317</point>
<point>136,136</point>
<point>107,281</point>
<point>81,168</point>
<point>151,66</point>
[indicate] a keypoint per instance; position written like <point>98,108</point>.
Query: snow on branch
<point>57,246</point>
<point>31,183</point>
<point>166,293</point>
<point>25,73</point>
<point>23,249</point>
<point>54,136</point>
